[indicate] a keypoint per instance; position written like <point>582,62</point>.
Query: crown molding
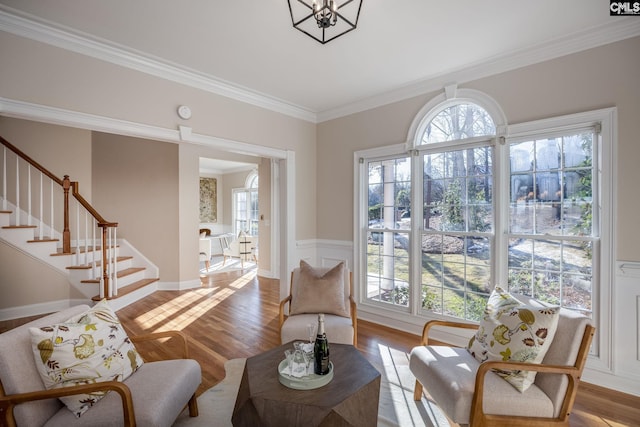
<point>46,114</point>
<point>27,26</point>
<point>24,25</point>
<point>616,30</point>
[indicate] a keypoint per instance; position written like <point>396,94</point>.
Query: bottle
<point>321,349</point>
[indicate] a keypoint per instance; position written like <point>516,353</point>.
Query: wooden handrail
<point>31,161</point>
<point>76,194</point>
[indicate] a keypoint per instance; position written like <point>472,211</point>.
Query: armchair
<point>342,329</point>
<point>243,247</point>
<point>470,392</point>
<point>205,251</point>
<point>154,395</point>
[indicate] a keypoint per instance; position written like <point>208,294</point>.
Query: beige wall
<point>51,76</point>
<point>264,207</point>
<point>23,279</point>
<point>598,78</point>
<point>52,146</point>
<point>135,183</point>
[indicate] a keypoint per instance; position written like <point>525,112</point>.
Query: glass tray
<point>309,382</point>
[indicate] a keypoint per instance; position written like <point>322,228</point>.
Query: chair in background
<point>242,247</point>
<point>153,395</point>
<point>205,251</point>
<point>470,392</point>
<point>320,290</point>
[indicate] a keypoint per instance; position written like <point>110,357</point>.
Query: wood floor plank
<point>236,315</point>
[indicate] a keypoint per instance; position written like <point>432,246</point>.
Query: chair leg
<point>224,259</point>
<point>193,406</point>
<point>417,392</point>
<point>207,264</point>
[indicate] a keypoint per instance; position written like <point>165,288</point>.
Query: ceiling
<point>401,48</point>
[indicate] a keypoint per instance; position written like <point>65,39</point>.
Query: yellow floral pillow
<point>513,331</point>
<point>88,348</point>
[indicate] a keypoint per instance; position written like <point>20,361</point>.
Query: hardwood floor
<point>235,315</point>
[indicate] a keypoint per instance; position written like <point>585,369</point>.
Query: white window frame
<point>249,189</point>
<point>605,120</point>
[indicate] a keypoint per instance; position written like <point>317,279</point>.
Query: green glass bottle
<point>321,349</point>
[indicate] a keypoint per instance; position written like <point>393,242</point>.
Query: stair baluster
<point>108,245</point>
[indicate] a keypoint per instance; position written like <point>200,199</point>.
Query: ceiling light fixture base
<point>325,20</point>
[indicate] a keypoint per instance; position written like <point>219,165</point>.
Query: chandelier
<point>324,20</point>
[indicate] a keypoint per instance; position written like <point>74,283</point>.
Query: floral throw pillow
<point>88,348</point>
<point>513,331</point>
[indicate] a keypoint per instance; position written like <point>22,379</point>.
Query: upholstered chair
<point>320,290</point>
<point>473,392</point>
<point>153,395</point>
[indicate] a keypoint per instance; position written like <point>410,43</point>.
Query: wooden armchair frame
<point>8,402</point>
<point>479,419</point>
<point>352,308</point>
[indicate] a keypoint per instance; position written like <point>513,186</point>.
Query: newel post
<point>66,234</point>
<point>105,265</point>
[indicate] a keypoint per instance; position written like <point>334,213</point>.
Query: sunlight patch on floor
<point>164,311</point>
<point>401,383</point>
<point>184,309</point>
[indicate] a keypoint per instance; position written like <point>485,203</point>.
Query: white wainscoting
<point>324,253</point>
<point>625,319</point>
<point>626,325</point>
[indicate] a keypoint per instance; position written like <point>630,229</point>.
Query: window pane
<point>458,121</point>
<point>389,193</point>
<point>457,190</point>
<point>388,267</point>
<point>558,272</point>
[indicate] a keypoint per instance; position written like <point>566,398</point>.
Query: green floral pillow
<point>88,348</point>
<point>511,330</point>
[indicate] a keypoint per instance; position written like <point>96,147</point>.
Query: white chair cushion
<point>448,374</point>
<point>160,391</point>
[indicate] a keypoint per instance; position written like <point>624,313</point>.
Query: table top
<point>351,372</point>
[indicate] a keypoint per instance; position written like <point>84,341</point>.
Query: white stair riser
<point>19,237</point>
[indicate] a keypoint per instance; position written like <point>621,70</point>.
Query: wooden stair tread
<point>15,227</point>
<point>129,288</point>
<point>73,250</point>
<point>98,264</point>
<point>119,274</point>
<point>44,239</point>
<point>6,212</point>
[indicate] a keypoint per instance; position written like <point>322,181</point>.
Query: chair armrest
<point>447,323</point>
<point>281,312</point>
<point>166,334</point>
<point>11,400</point>
<point>354,319</point>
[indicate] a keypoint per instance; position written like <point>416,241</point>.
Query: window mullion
<point>417,219</point>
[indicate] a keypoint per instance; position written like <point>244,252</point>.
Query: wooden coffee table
<point>350,399</point>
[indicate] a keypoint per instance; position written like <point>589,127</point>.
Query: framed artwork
<point>208,200</point>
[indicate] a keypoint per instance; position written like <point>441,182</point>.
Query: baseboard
<point>179,286</point>
<point>40,308</point>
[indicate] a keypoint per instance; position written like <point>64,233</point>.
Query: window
<point>245,207</point>
<point>462,208</point>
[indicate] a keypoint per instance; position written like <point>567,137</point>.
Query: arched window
<point>458,121</point>
<point>245,206</point>
<point>469,202</point>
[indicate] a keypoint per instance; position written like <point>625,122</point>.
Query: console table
<point>350,399</point>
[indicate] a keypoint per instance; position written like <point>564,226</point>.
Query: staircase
<point>86,250</point>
